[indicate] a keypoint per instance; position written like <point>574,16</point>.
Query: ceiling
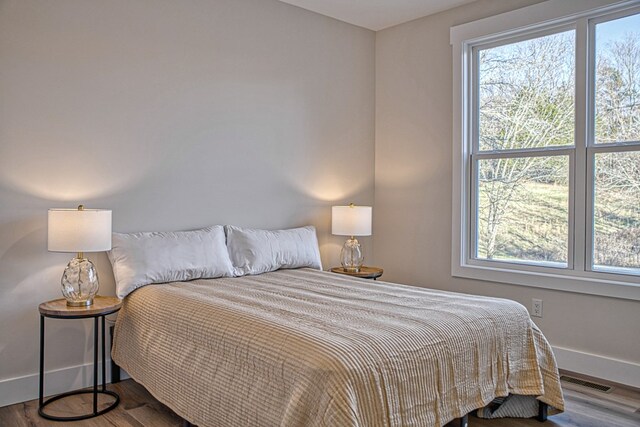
<point>376,14</point>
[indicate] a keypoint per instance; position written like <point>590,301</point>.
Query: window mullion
<point>513,154</point>
<point>578,190</point>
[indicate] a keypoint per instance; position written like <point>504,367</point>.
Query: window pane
<point>618,80</point>
<point>617,211</point>
<point>523,209</point>
<point>526,93</point>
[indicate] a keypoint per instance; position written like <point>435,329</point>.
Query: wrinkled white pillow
<point>260,251</point>
<point>139,259</point>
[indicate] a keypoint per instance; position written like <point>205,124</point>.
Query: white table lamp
<point>351,221</point>
<point>79,230</point>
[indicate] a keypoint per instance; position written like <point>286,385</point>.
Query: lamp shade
<point>351,220</point>
<point>75,230</point>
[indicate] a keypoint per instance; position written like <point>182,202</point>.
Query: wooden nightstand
<point>364,273</point>
<point>58,309</point>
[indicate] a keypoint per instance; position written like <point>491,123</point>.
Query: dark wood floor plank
<point>138,408</point>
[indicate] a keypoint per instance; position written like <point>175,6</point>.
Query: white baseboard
<point>22,389</point>
<point>619,371</point>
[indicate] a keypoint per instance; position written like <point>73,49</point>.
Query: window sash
<point>476,154</point>
<point>587,26</point>
<point>472,252</point>
<point>590,200</point>
<point>475,75</point>
<point>591,71</point>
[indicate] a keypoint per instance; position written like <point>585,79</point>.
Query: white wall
<point>175,115</point>
<point>412,224</point>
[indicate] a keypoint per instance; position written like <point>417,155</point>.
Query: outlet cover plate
<point>536,307</point>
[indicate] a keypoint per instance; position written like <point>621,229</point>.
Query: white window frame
<point>544,18</point>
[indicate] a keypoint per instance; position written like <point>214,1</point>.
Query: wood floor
<point>585,408</point>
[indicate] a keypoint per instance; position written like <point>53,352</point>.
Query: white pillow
<point>139,259</point>
<point>260,251</point>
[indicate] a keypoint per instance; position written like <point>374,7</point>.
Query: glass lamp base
<point>86,303</point>
<point>351,256</point>
<point>79,282</point>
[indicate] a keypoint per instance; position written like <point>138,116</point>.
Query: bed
<point>303,347</point>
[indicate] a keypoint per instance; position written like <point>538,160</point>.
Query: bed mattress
<point>311,348</point>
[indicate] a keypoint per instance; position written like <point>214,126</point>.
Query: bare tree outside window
<point>616,207</point>
<point>526,101</point>
<point>525,137</point>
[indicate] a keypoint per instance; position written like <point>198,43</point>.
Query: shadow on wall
<point>71,168</point>
<point>322,192</point>
<point>24,260</point>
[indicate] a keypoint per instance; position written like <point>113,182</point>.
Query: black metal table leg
<point>95,365</point>
<point>41,385</point>
<point>104,359</point>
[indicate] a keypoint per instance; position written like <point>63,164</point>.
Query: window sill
<point>593,284</point>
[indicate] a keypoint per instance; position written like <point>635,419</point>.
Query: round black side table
<point>58,309</point>
<point>364,273</point>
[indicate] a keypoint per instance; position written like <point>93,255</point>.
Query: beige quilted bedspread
<point>310,348</point>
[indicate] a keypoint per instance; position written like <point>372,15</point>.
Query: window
<point>547,157</point>
<point>525,111</point>
<point>614,155</point>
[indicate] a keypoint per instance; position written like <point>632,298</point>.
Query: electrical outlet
<point>536,307</point>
